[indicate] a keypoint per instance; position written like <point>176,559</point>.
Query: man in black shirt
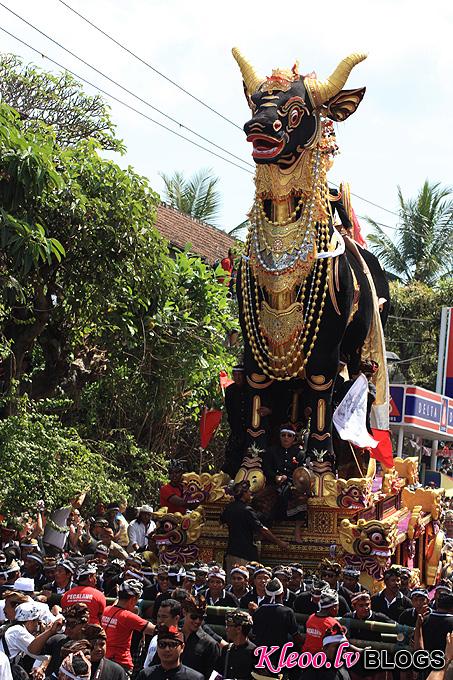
<point>170,649</point>
<point>216,595</point>
<point>307,603</point>
<point>420,600</point>
<point>350,585</point>
<point>361,605</point>
<point>237,660</point>
<point>239,579</point>
<point>200,652</point>
<point>437,624</point>
<point>390,601</point>
<point>273,623</point>
<point>296,583</point>
<point>243,524</point>
<point>284,575</point>
<point>76,618</point>
<point>102,668</point>
<point>257,594</point>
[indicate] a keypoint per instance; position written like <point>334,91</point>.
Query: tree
<point>412,330</point>
<point>40,458</point>
<point>58,101</point>
<point>423,250</point>
<point>197,196</point>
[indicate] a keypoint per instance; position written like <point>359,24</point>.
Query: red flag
<point>208,425</point>
<point>383,451</point>
<point>224,380</point>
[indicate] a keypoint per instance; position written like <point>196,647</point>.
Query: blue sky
<point>401,133</point>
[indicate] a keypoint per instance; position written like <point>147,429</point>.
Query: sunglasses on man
<point>171,644</point>
<point>196,617</point>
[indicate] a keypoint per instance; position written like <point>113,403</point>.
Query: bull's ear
<point>344,104</point>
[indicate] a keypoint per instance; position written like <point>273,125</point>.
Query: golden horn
<point>249,75</point>
<point>323,90</point>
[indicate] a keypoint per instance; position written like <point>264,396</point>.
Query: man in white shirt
<point>140,528</point>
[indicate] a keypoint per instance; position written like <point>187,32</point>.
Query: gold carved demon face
<point>174,529</point>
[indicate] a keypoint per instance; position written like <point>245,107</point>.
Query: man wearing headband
<point>319,622</point>
<point>33,568</point>
<point>216,595</point>
<point>170,650</point>
<point>257,594</point>
<point>436,625</point>
<point>75,621</point>
<point>307,603</point>
<point>361,610</point>
<point>171,494</point>
<point>273,623</point>
<point>239,579</point>
<point>390,601</point>
<point>332,638</point>
<point>201,651</point>
<point>86,592</point>
<point>284,575</point>
<point>243,524</point>
<point>442,587</point>
<point>237,659</point>
<point>420,606</point>
<point>63,578</point>
<point>350,585</point>
<point>102,668</point>
<point>296,583</point>
<point>281,460</point>
<point>119,622</point>
<point>75,666</point>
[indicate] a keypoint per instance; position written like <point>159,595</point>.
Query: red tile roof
<point>207,241</point>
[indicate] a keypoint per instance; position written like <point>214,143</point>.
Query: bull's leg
<point>320,386</point>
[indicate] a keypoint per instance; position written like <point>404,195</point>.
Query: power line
<point>146,63</point>
<point>122,87</point>
<point>197,99</point>
<point>361,198</point>
<point>120,101</point>
<point>125,89</point>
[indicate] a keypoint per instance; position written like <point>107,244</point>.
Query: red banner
<point>209,423</point>
<point>383,451</point>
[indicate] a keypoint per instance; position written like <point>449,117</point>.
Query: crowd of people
<point>81,601</point>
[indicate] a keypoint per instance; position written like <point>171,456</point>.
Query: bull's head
<point>286,108</point>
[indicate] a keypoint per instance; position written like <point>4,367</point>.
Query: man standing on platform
<point>243,524</point>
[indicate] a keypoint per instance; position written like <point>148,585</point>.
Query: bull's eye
<point>295,116</point>
<point>277,125</point>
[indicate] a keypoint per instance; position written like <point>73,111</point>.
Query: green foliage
<point>42,459</point>
<point>58,101</point>
<point>413,329</point>
<point>196,196</point>
<point>423,250</point>
<point>116,345</point>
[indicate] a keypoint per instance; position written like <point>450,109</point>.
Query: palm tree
<point>196,196</point>
<point>423,249</point>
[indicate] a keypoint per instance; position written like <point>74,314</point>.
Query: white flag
<point>350,416</point>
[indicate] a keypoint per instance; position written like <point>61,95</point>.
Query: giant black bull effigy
<point>304,300</point>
